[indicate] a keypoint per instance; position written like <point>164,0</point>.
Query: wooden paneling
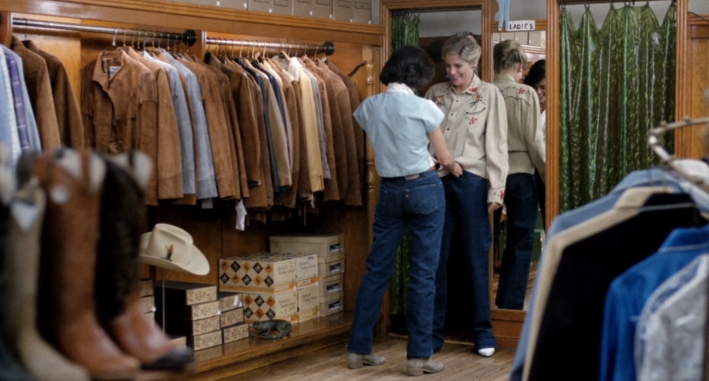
<point>699,82</point>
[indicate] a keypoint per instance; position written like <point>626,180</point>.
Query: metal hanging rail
<point>189,37</point>
<point>328,47</point>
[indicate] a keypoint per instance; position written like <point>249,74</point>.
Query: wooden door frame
<point>682,91</point>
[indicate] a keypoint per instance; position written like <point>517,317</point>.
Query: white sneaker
<point>486,352</point>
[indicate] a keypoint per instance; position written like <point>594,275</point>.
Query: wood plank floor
<point>330,365</point>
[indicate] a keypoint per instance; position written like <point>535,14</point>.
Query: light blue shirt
<point>397,123</point>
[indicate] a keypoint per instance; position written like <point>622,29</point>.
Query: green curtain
<point>617,82</point>
<point>405,31</point>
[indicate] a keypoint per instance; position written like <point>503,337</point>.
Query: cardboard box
<point>261,5</point>
<point>232,317</point>
<point>282,7</point>
<point>270,305</point>
<point>331,265</point>
<point>322,9</point>
<point>146,287</point>
<point>229,301</point>
<point>147,304</point>
<point>236,332</point>
<point>362,11</point>
<point>308,315</point>
<point>256,273</point>
<point>308,297</point>
<point>342,10</point>
<point>302,8</point>
<point>208,340</point>
<point>182,293</point>
<point>322,245</point>
<point>332,306</point>
<point>193,312</point>
<point>192,328</point>
<point>306,265</point>
<point>332,285</point>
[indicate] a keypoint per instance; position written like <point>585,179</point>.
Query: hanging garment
<point>628,293</point>
<point>22,103</point>
<point>206,183</point>
<point>8,120</point>
<point>218,129</point>
<point>40,92</point>
<point>66,105</point>
<point>277,84</point>
<point>184,124</point>
<point>119,106</point>
<point>169,153</point>
<point>332,191</point>
<point>353,194</point>
<point>577,270</point>
<point>17,81</point>
<point>670,342</point>
<point>565,221</point>
<point>503,14</point>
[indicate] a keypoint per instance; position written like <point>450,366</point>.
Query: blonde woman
<point>525,144</point>
<point>475,130</point>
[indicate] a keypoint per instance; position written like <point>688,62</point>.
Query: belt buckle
<point>412,177</point>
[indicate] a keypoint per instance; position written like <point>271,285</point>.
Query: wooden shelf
<point>246,355</point>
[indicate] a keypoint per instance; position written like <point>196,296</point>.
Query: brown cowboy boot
<point>20,270</point>
<point>123,216</point>
<point>73,184</point>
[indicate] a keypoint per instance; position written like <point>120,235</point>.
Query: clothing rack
<point>189,37</point>
<point>327,47</point>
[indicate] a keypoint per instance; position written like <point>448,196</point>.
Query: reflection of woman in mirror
<point>525,143</point>
<point>475,129</point>
<point>537,79</point>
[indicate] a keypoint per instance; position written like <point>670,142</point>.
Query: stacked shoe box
<point>147,300</point>
<point>331,265</point>
<point>267,285</point>
<point>191,310</point>
<point>307,286</point>
<point>231,307</point>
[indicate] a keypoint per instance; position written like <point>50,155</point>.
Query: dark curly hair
<point>536,74</point>
<point>409,65</point>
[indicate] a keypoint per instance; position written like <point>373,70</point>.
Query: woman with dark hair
<point>400,126</point>
<point>537,79</point>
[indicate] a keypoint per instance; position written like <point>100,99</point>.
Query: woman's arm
<point>443,155</point>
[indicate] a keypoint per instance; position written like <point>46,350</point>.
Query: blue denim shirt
<point>206,186</point>
<point>649,177</point>
<point>628,293</point>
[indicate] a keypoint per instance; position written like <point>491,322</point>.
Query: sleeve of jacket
<point>87,105</point>
<point>146,128</point>
<point>534,135</point>
<point>496,148</point>
<point>169,156</point>
<point>45,113</point>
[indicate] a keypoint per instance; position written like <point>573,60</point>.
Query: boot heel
<point>354,364</point>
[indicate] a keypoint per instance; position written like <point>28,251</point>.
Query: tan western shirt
<point>475,129</point>
<point>525,133</point>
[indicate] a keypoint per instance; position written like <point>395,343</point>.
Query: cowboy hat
<point>172,248</point>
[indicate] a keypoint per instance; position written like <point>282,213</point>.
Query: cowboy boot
<point>10,369</point>
<point>123,218</point>
<point>73,184</point>
<point>20,269</point>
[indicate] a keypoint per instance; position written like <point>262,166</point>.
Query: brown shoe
<point>122,222</point>
<point>73,184</point>
<point>356,361</point>
<point>417,367</point>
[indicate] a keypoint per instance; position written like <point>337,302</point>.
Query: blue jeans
<point>521,203</point>
<point>420,205</point>
<point>466,206</point>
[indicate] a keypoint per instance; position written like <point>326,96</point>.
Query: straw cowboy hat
<point>172,248</point>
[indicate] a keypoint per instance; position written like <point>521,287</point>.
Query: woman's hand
<point>493,206</point>
<point>456,170</point>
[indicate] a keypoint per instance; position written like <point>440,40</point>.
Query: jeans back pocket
<point>425,199</point>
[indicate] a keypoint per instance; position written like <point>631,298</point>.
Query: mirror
<point>534,45</point>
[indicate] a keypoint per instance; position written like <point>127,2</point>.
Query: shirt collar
<point>503,78</point>
<point>101,70</point>
<point>396,87</point>
<point>472,87</point>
